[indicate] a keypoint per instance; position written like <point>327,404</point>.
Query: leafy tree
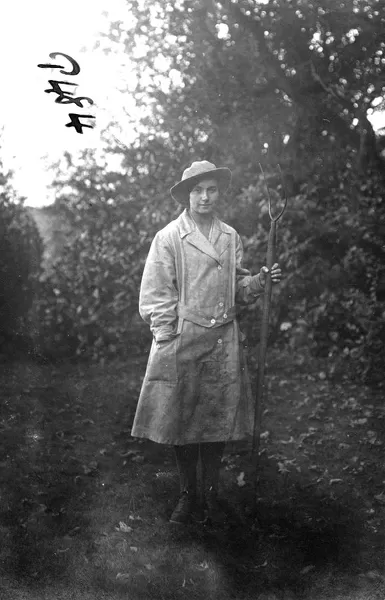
<point>283,80</point>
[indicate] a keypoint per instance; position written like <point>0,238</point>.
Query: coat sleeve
<point>158,298</point>
<point>248,287</point>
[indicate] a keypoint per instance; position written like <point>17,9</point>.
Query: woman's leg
<point>186,460</point>
<point>211,457</point>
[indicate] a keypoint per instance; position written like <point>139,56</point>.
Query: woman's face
<point>204,197</point>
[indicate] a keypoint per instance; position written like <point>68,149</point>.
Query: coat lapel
<point>193,236</point>
<point>197,239</point>
<point>220,237</point>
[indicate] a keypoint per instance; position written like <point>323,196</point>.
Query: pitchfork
<point>270,260</point>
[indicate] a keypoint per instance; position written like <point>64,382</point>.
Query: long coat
<point>196,387</point>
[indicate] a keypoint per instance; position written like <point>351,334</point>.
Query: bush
<point>89,306</point>
<point>333,292</point>
<point>21,253</point>
<point>349,319</point>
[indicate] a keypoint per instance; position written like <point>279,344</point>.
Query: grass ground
<point>84,507</point>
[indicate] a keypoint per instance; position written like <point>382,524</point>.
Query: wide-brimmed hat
<point>192,175</point>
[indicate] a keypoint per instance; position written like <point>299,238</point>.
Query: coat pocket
<point>162,361</point>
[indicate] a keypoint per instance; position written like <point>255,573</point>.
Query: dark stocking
<point>186,460</point>
<point>211,456</point>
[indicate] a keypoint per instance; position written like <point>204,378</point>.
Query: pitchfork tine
<point>275,219</point>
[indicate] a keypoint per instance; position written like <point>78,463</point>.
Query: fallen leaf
<point>203,566</point>
<point>133,549</point>
<point>335,481</point>
<point>282,468</point>
<point>262,565</point>
<point>138,459</point>
<point>90,468</point>
<point>123,576</point>
<point>307,569</point>
<point>164,475</point>
<point>374,575</point>
<point>129,453</point>
<point>380,498</point>
<point>123,527</point>
<point>241,479</point>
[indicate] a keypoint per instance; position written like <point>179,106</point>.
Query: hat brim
<point>181,191</point>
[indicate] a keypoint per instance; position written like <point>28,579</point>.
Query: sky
<point>34,134</point>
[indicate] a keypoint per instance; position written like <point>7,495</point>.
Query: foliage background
<point>236,83</point>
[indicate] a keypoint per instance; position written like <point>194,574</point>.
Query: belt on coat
<point>198,318</point>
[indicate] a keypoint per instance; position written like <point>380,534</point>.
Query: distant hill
<point>54,231</point>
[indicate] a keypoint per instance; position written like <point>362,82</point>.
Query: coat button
<point>212,321</point>
<point>221,304</point>
<point>220,341</point>
<point>219,268</point>
<point>225,316</point>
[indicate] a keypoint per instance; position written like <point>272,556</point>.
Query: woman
<point>196,392</point>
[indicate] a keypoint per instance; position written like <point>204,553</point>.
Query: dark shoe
<point>184,509</point>
<point>199,515</point>
<point>216,513</point>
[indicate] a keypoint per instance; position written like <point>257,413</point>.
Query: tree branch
<point>368,150</point>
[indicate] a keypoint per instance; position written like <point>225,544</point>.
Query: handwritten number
<point>76,123</point>
<point>57,89</point>
<point>75,66</point>
<point>77,101</point>
<point>66,97</point>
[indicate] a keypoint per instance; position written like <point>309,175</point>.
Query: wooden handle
<point>270,257</point>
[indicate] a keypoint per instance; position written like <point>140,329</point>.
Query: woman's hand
<point>276,274</point>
